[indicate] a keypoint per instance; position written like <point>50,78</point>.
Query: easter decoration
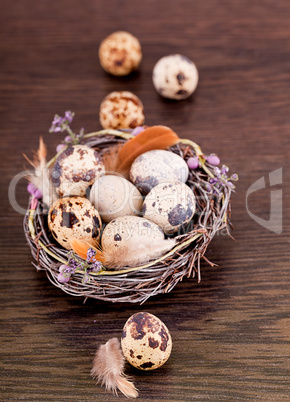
<point>124,214</point>
<point>146,344</point>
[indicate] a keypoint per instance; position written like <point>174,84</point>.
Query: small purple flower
<point>97,266</point>
<point>60,147</point>
<point>73,263</point>
<point>213,159</point>
<point>69,116</point>
<point>193,162</point>
<point>67,138</point>
<point>65,269</point>
<point>61,123</point>
<point>137,130</point>
<point>63,279</point>
<point>221,180</point>
<point>57,121</point>
<point>91,254</point>
<point>33,190</point>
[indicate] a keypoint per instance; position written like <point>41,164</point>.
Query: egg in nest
<point>114,196</point>
<point>75,170</point>
<point>155,167</point>
<point>132,241</point>
<point>74,217</point>
<point>170,205</point>
<point>146,342</point>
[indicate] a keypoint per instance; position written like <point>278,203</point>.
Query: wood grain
<point>230,332</point>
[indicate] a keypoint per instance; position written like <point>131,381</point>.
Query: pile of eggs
<point>98,206</point>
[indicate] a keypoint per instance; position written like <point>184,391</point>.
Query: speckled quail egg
<point>75,170</point>
<point>146,342</point>
<point>157,166</point>
<point>121,109</point>
<point>119,232</point>
<point>170,205</point>
<point>120,53</point>
<point>74,217</point>
<point>114,196</point>
<point>175,77</point>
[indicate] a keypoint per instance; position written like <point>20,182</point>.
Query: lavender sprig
<point>76,264</point>
<point>60,124</point>
<point>221,180</point>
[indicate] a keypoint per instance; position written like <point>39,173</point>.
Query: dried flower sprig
<point>221,180</point>
<point>60,124</point>
<point>76,264</point>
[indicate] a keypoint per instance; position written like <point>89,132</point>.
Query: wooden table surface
<point>231,332</point>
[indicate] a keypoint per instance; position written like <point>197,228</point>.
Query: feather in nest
<point>119,158</point>
<point>40,177</point>
<point>133,255</point>
<point>108,368</point>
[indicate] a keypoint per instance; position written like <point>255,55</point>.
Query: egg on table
<point>114,196</point>
<point>155,167</point>
<point>170,205</point>
<point>121,109</point>
<point>74,217</point>
<point>75,170</point>
<point>146,342</point>
<point>175,77</point>
<point>120,53</point>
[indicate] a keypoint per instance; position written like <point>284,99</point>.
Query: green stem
<point>109,131</point>
<point>196,147</point>
<point>72,134</point>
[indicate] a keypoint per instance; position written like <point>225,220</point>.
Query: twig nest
<point>75,170</point>
<point>114,196</point>
<point>74,217</point>
<point>155,167</point>
<point>146,342</point>
<point>120,53</point>
<point>175,77</point>
<point>121,109</point>
<point>170,205</point>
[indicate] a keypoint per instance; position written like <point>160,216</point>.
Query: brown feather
<point>111,158</point>
<point>120,158</point>
<point>155,137</point>
<point>108,368</point>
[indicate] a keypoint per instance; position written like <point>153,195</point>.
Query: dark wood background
<point>231,332</point>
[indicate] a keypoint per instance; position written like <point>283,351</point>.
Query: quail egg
<point>120,53</point>
<point>75,170</point>
<point>170,205</point>
<point>175,77</point>
<point>119,232</point>
<point>146,342</point>
<point>121,109</point>
<point>74,217</point>
<point>157,166</point>
<point>114,196</point>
